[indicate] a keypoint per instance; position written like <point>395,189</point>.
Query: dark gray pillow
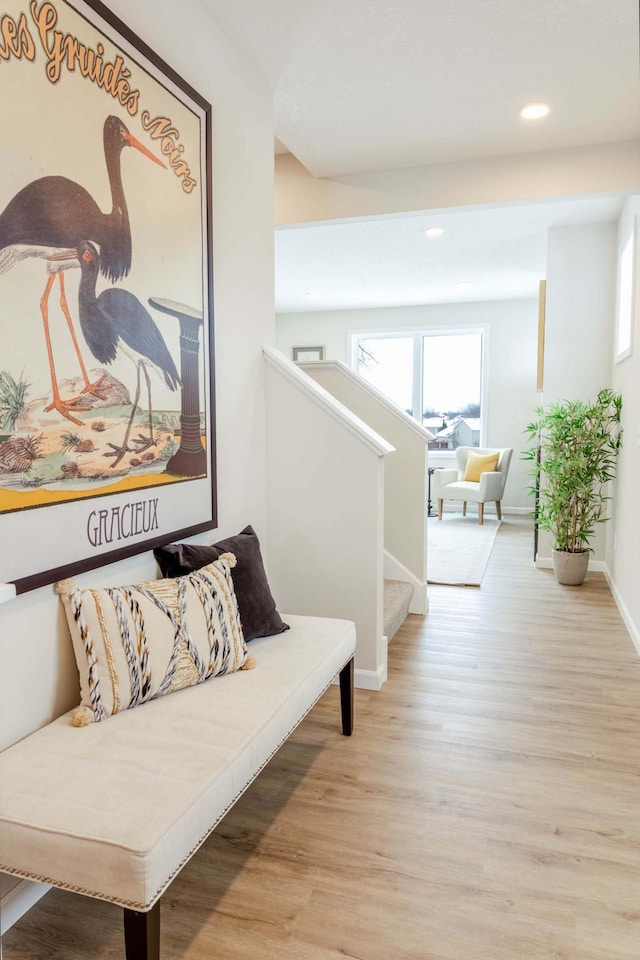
<point>256,605</point>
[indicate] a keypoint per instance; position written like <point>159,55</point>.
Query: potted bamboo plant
<point>574,457</point>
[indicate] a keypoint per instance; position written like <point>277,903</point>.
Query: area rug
<point>458,549</point>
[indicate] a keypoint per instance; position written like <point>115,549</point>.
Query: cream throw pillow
<point>139,642</point>
<point>478,463</point>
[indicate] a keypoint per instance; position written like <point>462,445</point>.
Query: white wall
<point>405,486</point>
<point>511,360</point>
<point>302,198</point>
<point>326,511</point>
<point>581,276</point>
<point>581,271</point>
<point>38,679</point>
<point>623,554</point>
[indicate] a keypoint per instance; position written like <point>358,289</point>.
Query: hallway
<point>486,807</point>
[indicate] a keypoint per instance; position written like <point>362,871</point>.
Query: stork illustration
<point>115,322</point>
<point>50,217</point>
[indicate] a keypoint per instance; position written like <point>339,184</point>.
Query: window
<point>624,319</point>
<point>387,363</point>
<point>435,377</point>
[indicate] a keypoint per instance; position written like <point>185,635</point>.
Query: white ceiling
<point>380,84</point>
<point>362,85</point>
<point>501,251</point>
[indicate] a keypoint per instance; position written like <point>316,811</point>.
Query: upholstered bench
<point>114,809</point>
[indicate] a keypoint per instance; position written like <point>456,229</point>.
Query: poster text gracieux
<point>120,523</point>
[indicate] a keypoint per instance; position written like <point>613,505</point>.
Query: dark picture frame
<point>107,378</point>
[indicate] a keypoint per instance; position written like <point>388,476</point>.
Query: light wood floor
<point>486,808</point>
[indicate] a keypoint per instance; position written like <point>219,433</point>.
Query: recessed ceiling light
<point>312,295</point>
<point>534,111</point>
<point>434,231</point>
<point>464,284</point>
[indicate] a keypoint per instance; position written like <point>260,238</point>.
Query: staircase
<point>397,597</point>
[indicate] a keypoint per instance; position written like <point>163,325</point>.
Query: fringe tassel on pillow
<point>64,586</point>
<point>249,663</point>
<point>229,559</point>
<point>82,717</point>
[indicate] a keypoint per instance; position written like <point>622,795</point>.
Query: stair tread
<point>397,597</point>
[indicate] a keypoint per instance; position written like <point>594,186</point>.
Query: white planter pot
<point>570,568</point>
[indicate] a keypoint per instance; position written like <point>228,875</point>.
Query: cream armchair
<point>451,484</point>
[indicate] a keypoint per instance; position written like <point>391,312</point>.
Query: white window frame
<point>417,335</point>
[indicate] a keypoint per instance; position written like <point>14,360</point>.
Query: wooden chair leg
<point>499,509</point>
<point>142,934</point>
<point>481,513</point>
<point>440,502</point>
<point>346,698</point>
<point>464,508</point>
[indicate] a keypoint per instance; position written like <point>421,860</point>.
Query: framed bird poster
<point>107,426</point>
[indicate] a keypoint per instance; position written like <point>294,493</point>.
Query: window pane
<point>387,363</point>
<point>625,299</point>
<point>452,377</point>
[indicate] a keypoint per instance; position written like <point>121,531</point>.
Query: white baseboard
<point>369,679</point>
<point>422,608</point>
<point>18,900</point>
<point>634,633</point>
<point>364,680</point>
<point>394,570</point>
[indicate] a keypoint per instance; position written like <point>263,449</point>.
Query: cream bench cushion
<point>115,809</point>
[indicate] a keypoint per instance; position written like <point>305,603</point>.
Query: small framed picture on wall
<point>304,354</point>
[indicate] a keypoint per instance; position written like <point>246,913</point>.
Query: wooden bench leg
<point>346,698</point>
<point>499,509</point>
<point>142,934</point>
<point>440,502</point>
<point>481,513</point>
<point>464,508</point>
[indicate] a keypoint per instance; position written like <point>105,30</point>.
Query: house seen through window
<point>435,377</point>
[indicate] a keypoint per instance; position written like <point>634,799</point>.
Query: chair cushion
<point>480,463</point>
<point>138,642</point>
<point>462,490</point>
<point>258,612</point>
